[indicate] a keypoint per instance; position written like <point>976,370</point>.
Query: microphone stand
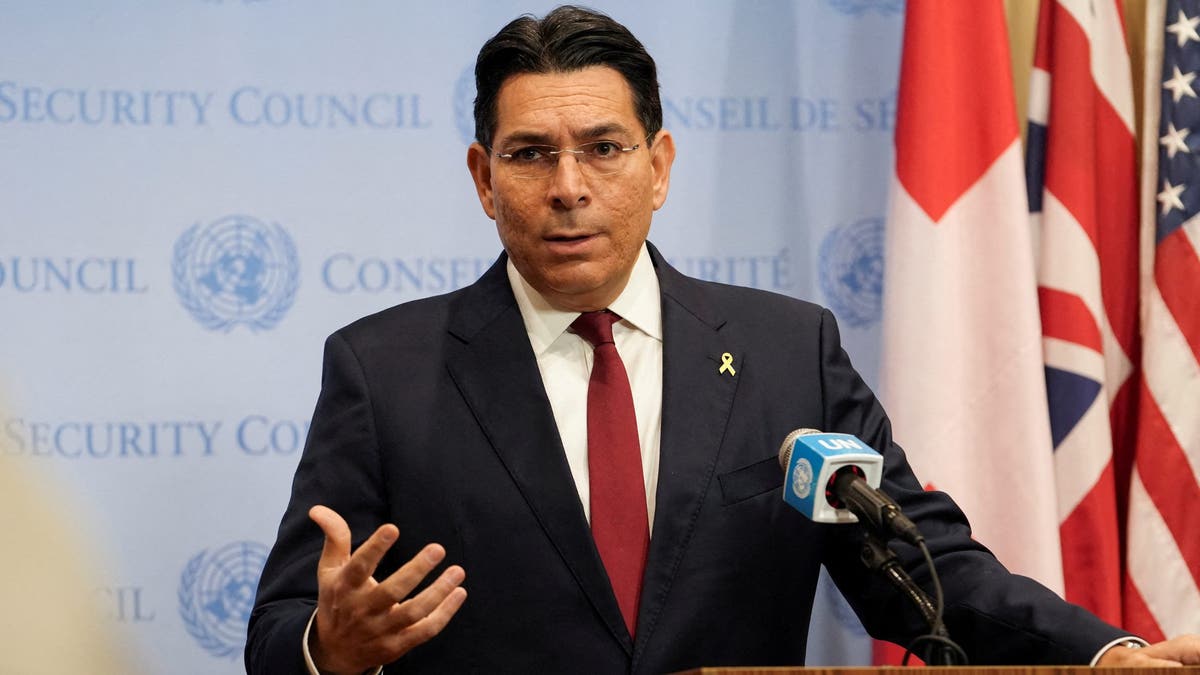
<point>941,651</point>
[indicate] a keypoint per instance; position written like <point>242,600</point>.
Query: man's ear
<point>480,165</point>
<point>661,158</point>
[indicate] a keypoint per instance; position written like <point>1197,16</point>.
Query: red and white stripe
<point>1162,589</point>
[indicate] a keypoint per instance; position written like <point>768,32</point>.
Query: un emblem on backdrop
<point>464,105</point>
<point>216,594</point>
<point>236,270</point>
<point>860,7</point>
<point>852,271</point>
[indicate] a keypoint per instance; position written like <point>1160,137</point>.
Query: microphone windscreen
<point>785,450</point>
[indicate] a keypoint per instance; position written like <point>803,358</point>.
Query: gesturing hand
<point>362,623</point>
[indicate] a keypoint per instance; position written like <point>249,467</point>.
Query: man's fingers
<point>335,554</point>
<point>363,562</point>
<point>427,601</point>
<point>432,623</point>
<point>354,607</point>
<point>396,587</point>
<point>1149,661</point>
<point>337,536</point>
<point>1183,649</point>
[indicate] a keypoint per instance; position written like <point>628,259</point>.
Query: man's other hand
<point>1180,651</point>
<point>362,623</point>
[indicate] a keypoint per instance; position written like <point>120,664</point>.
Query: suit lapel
<point>697,399</point>
<point>497,374</point>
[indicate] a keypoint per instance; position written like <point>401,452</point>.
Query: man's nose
<point>568,185</point>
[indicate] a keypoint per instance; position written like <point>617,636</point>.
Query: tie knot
<point>596,327</point>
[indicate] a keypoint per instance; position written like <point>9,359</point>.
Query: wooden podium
<point>947,670</point>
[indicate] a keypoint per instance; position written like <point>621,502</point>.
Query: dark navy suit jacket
<point>432,416</point>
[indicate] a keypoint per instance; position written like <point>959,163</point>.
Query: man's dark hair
<point>568,38</point>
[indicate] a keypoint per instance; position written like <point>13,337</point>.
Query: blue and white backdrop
<point>195,193</point>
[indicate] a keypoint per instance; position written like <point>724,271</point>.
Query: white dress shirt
<point>565,362</point>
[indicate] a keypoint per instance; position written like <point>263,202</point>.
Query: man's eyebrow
<point>603,131</point>
<point>526,138</point>
<point>599,131</point>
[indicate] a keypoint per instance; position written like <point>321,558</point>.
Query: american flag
<point>1082,178</point>
<point>1162,588</point>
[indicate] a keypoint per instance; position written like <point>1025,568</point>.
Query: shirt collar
<point>638,304</point>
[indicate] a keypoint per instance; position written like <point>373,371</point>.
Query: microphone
<point>849,471</point>
<point>832,478</point>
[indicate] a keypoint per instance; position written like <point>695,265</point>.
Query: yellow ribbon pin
<point>727,364</point>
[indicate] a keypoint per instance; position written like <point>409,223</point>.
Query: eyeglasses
<point>598,158</point>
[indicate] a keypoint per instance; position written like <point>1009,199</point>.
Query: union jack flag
<point>1082,178</point>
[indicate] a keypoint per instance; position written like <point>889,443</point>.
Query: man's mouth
<point>569,243</point>
<point>568,238</point>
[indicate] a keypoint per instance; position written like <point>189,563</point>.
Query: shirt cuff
<point>312,667</point>
<point>1104,650</point>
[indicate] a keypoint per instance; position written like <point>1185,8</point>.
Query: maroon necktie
<point>618,492</point>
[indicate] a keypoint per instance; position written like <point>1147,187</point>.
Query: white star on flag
<point>1185,29</point>
<point>1174,140</point>
<point>1180,85</point>
<point>1169,197</point>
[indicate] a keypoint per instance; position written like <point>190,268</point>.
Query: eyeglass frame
<point>557,153</point>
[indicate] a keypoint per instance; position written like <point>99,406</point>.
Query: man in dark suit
<point>476,420</point>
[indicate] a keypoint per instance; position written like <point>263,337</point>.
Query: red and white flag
<point>962,366</point>
<point>1083,198</point>
<point>1162,586</point>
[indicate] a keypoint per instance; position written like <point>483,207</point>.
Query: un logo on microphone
<point>851,272</point>
<point>236,270</point>
<point>802,479</point>
<point>216,594</point>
